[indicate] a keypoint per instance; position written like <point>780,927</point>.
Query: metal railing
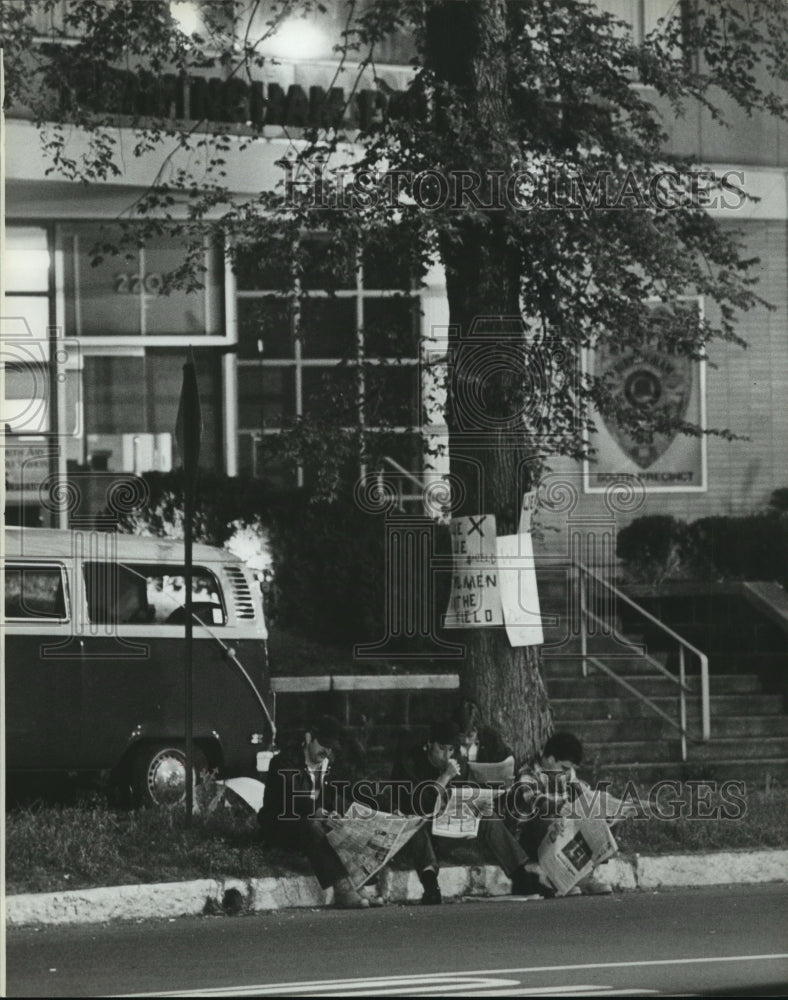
<point>402,474</point>
<point>584,576</point>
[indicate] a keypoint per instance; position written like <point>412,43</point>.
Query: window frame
<point>39,619</point>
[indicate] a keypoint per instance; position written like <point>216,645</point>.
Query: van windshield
<point>150,593</point>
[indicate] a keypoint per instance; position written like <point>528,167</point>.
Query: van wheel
<point>158,774</point>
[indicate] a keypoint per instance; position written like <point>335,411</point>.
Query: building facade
<point>94,353</point>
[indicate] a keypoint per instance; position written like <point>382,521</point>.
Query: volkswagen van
<point>95,659</point>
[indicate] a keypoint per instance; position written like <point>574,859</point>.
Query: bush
<point>712,548</point>
<point>326,576</point>
<point>739,548</point>
<point>650,547</point>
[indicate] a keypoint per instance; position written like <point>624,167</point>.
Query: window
<point>332,335</point>
<point>142,593</point>
<point>124,295</point>
<point>35,592</point>
<point>26,323</point>
<point>131,405</point>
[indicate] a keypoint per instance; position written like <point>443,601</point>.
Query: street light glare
<point>299,39</point>
<point>187,15</point>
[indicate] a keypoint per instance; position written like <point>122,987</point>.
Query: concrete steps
<point>608,730</point>
<point>651,685</point>
<point>749,728</point>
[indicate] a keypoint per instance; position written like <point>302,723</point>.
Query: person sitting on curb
<point>420,781</point>
<point>545,790</point>
<point>480,744</point>
<point>299,795</point>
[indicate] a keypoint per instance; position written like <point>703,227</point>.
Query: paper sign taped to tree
<point>571,850</point>
<point>475,599</point>
<point>365,839</point>
<point>519,594</point>
<point>527,512</point>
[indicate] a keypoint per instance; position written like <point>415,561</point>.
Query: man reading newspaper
<point>301,794</point>
<point>422,780</point>
<point>561,822</point>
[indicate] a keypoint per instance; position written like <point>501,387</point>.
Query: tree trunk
<point>465,47</point>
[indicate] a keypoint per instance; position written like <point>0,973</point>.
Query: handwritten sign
<point>475,599</point>
<point>519,594</point>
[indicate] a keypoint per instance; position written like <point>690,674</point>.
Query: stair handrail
<point>683,644</point>
<point>402,472</point>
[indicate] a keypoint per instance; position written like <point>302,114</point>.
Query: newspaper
<point>464,811</point>
<point>365,839</point>
<point>572,848</point>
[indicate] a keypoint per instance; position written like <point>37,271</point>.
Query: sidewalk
<point>215,896</point>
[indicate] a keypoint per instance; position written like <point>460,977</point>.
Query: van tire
<point>158,772</point>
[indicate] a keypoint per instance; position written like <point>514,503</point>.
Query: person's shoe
<point>346,897</point>
<point>528,883</point>
<point>370,893</point>
<point>575,891</point>
<point>593,885</point>
<point>432,893</point>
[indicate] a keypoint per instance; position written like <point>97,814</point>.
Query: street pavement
<point>727,940</point>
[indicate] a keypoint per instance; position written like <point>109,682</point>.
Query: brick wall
<point>747,392</point>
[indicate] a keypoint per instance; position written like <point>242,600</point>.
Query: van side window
<point>34,592</point>
<point>150,593</point>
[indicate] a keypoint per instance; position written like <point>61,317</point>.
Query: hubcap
<point>167,778</point>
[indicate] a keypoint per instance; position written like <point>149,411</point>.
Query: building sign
<point>197,98</point>
<point>650,379</point>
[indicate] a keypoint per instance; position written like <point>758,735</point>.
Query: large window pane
<point>331,394</point>
<point>115,395</point>
<point>262,457</point>
<point>122,294</point>
<point>179,312</point>
<point>385,261</point>
<point>26,260</point>
<point>326,264</point>
<point>406,449</point>
<point>266,266</point>
<point>26,316</point>
<point>265,322</point>
<point>391,395</point>
<point>391,327</point>
<point>328,328</point>
<point>266,395</point>
<point>139,394</point>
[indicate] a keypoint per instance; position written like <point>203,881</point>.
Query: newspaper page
<point>366,840</point>
<point>466,806</point>
<point>572,848</point>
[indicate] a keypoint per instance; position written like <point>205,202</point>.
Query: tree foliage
<point>530,155</point>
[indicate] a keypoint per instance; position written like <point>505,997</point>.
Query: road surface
<point>733,940</point>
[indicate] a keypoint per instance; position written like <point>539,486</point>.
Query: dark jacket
<point>289,795</point>
<point>414,783</point>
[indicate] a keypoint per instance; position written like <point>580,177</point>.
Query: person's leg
<point>501,844</point>
<point>322,857</point>
<point>425,862</point>
<point>531,834</point>
<point>495,838</point>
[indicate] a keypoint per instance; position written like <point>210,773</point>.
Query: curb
<point>179,899</point>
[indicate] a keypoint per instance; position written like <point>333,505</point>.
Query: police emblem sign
<point>656,381</point>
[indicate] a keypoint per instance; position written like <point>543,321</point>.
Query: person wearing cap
<point>420,780</point>
<point>300,793</point>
